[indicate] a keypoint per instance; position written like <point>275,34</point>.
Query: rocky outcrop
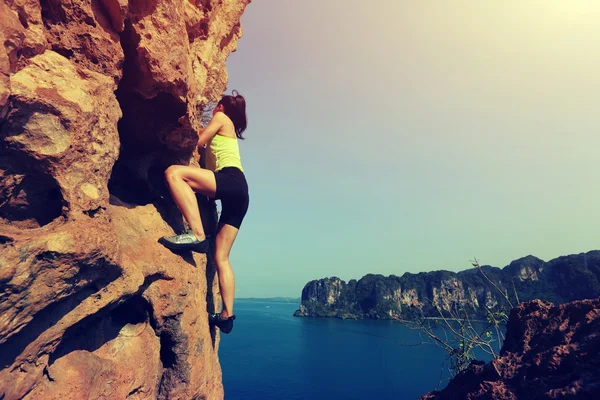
<point>560,280</point>
<point>97,98</point>
<point>550,352</point>
<point>325,291</point>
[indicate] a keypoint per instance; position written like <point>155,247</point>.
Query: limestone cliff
<point>375,296</point>
<point>550,352</point>
<point>97,98</point>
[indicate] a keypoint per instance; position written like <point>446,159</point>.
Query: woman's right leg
<point>183,181</point>
<point>224,242</point>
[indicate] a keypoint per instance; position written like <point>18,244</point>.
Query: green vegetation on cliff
<point>561,280</point>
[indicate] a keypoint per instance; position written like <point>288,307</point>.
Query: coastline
<point>405,321</point>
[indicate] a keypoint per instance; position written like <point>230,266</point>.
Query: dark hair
<point>235,108</point>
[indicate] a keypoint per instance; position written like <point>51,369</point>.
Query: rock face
<point>549,353</point>
<point>97,98</point>
<point>560,280</point>
<point>325,291</point>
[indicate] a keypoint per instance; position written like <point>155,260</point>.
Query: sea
<point>270,354</point>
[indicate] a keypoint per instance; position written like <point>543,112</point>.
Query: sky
<point>406,136</point>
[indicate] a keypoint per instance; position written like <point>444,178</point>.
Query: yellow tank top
<point>224,152</point>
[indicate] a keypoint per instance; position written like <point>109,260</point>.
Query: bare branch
<point>503,293</point>
<point>515,290</point>
<point>460,336</point>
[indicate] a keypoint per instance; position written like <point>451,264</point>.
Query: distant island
<point>561,280</point>
<point>295,300</point>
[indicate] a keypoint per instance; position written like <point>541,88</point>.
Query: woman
<point>224,179</point>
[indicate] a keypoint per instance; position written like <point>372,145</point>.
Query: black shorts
<point>232,190</point>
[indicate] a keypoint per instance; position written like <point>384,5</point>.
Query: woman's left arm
<point>210,130</point>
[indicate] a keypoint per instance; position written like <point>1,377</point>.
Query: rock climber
<point>224,180</point>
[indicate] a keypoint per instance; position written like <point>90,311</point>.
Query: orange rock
<point>22,27</point>
<point>4,77</point>
<point>97,98</point>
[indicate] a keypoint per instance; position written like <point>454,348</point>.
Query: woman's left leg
<point>183,181</point>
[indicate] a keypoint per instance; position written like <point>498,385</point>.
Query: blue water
<point>271,354</point>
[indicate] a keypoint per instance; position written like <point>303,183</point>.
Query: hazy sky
<point>394,136</point>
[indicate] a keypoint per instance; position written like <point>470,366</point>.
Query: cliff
<point>550,352</point>
<point>97,98</point>
<point>560,280</point>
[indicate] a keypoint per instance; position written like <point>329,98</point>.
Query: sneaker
<point>224,324</point>
<point>185,241</point>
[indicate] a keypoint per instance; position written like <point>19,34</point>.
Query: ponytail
<point>235,108</point>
